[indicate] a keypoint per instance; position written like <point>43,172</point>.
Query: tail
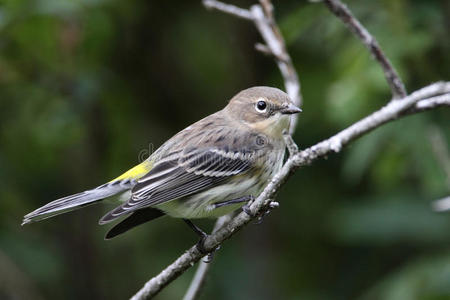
<point>79,200</point>
<point>121,184</point>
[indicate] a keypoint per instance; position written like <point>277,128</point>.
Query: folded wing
<point>188,173</point>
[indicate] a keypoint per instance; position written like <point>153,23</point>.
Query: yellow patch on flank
<point>136,172</point>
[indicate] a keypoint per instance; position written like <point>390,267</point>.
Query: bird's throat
<point>273,126</point>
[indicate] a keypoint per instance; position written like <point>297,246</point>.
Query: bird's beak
<point>291,109</point>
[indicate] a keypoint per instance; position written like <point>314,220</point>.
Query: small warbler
<point>206,170</point>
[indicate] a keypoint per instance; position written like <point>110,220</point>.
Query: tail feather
<point>79,200</point>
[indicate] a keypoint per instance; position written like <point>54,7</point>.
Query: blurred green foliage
<point>87,85</point>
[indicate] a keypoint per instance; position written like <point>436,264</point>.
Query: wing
<point>191,172</point>
<point>135,219</point>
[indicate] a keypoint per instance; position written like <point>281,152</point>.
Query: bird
<point>209,169</point>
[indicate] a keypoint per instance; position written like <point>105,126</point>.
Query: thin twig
<point>390,112</point>
<point>263,49</point>
<point>202,270</point>
<point>427,104</point>
<point>441,205</point>
<point>440,150</point>
<point>228,8</point>
<point>262,17</point>
<point>342,12</point>
<point>290,144</point>
<point>198,281</point>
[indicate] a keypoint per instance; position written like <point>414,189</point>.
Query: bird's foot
<point>260,216</point>
<point>201,243</point>
<point>247,199</point>
<point>209,255</point>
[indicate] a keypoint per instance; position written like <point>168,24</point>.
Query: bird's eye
<point>261,106</point>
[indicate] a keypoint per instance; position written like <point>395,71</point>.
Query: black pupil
<point>261,105</point>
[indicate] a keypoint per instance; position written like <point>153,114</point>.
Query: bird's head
<point>262,108</point>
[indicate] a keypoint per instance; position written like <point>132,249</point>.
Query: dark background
<point>89,86</point>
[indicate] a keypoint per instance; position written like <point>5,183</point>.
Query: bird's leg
<point>198,231</point>
<point>245,208</point>
<point>200,245</point>
<point>247,199</point>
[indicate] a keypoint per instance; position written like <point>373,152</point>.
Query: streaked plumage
<point>227,155</point>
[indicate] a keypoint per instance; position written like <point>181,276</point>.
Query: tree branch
<point>342,12</point>
<point>262,16</point>
<point>392,111</point>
